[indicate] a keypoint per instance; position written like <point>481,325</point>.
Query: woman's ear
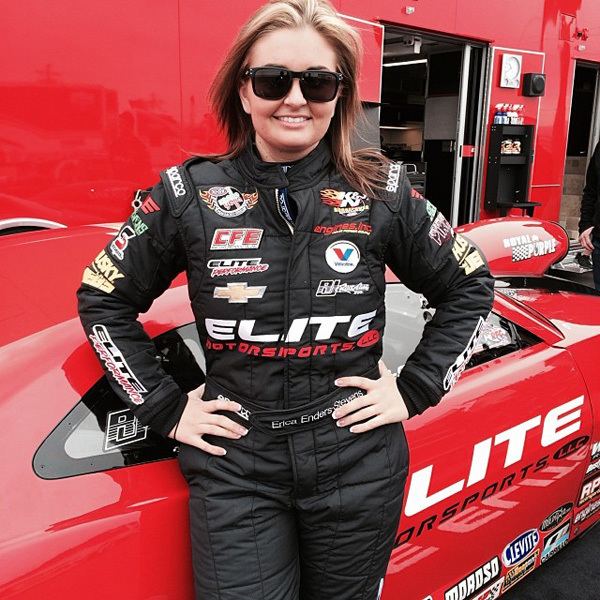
<point>244,92</point>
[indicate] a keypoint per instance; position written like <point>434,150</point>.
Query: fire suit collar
<point>305,172</point>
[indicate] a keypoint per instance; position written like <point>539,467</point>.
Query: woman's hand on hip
<point>198,419</point>
<point>585,239</point>
<point>382,404</point>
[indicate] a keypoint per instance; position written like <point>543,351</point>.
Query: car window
<point>101,433</point>
<point>408,313</point>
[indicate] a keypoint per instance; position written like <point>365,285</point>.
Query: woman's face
<point>289,128</point>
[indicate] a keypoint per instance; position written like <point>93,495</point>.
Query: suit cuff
<point>417,395</point>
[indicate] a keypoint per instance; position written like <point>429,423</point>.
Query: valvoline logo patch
<point>342,256</point>
<point>520,548</point>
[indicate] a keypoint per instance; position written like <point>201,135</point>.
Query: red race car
<point>503,473</point>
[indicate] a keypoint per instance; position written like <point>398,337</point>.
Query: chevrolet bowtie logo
<point>239,292</point>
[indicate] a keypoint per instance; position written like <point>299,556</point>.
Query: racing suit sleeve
<point>427,257</point>
<point>133,269</point>
<point>589,200</point>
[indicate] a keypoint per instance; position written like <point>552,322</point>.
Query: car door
<point>502,452</point>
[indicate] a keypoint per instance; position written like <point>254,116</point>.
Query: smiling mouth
<point>293,119</point>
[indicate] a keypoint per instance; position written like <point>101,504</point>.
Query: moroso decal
<point>525,246</point>
<point>348,204</point>
<point>119,244</point>
<point>590,490</point>
<point>559,422</point>
<point>591,509</point>
<point>556,541</point>
<point>102,273</point>
<point>571,447</point>
<point>116,363</point>
<point>462,360</point>
<point>236,266</point>
<point>440,230</point>
<point>520,571</point>
<point>475,581</point>
<point>236,239</point>
<point>359,227</point>
<point>122,428</point>
<point>227,201</point>
<point>520,548</point>
<point>553,520</point>
<point>493,592</point>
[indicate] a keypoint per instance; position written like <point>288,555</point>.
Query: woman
<point>294,450</point>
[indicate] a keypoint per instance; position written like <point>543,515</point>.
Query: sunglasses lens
<point>271,84</point>
<point>319,86</point>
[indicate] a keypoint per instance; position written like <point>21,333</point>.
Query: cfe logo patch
<point>348,204</point>
<point>227,201</point>
<point>236,239</point>
<point>342,256</point>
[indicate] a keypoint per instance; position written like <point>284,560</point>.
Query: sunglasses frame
<point>251,72</point>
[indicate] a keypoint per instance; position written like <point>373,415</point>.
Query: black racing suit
<point>283,308</point>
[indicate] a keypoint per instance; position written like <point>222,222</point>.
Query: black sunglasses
<point>274,83</point>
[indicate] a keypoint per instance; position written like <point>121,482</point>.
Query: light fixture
<point>406,62</point>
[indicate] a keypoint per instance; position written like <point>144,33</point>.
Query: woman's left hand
<point>382,404</point>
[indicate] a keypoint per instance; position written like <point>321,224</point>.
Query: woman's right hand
<point>198,419</point>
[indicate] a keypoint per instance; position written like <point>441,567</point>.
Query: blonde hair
<point>361,168</point>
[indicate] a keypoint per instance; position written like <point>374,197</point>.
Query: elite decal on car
<point>475,581</point>
<point>227,201</point>
<point>116,363</point>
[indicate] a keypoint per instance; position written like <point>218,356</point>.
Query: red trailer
<point>96,98</point>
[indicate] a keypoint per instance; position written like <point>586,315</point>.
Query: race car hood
<point>515,246</point>
<point>40,272</point>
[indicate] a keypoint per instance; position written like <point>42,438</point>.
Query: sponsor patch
<point>236,239</point>
<point>138,225</point>
<point>348,204</point>
<point>553,520</point>
<point>556,541</point>
<point>239,292</point>
<point>475,581</point>
<point>123,428</point>
<point>520,548</point>
<point>467,257</point>
<point>363,228</point>
<point>571,447</point>
<point>119,244</point>
<point>332,287</point>
<point>342,256</point>
<point>527,246</point>
<point>236,266</point>
<point>176,181</point>
<point>431,210</point>
<point>593,467</point>
<point>102,273</point>
<point>492,593</point>
<point>149,206</point>
<point>441,230</point>
<point>590,490</point>
<point>462,360</point>
<point>227,202</point>
<point>116,364</point>
<point>393,179</point>
<point>521,570</point>
<point>591,509</point>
